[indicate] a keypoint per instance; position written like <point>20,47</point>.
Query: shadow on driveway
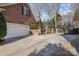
<point>69,37</point>
<point>51,50</point>
<point>10,40</point>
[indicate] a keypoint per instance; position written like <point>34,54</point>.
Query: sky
<point>65,8</point>
<point>46,13</point>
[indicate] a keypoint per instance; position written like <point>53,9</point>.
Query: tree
<point>57,21</point>
<point>51,25</point>
<point>76,18</point>
<point>3,27</point>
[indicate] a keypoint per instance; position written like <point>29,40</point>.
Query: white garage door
<point>16,30</point>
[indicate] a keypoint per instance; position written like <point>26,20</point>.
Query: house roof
<point>6,4</point>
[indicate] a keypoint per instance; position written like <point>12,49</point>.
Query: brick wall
<point>13,14</point>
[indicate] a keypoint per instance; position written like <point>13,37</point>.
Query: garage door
<point>16,30</point>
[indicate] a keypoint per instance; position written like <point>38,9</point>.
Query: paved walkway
<point>36,43</point>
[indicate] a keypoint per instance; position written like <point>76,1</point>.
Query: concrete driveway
<point>31,44</point>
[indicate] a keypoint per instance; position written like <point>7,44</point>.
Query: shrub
<point>34,26</point>
<point>74,31</point>
<point>3,27</point>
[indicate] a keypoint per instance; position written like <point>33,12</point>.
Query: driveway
<point>35,44</point>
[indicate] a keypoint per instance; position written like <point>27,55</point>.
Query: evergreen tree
<point>58,20</point>
<point>3,27</point>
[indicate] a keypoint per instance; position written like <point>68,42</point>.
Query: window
<point>25,11</point>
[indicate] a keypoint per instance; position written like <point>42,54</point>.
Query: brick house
<point>18,17</point>
<point>18,13</point>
